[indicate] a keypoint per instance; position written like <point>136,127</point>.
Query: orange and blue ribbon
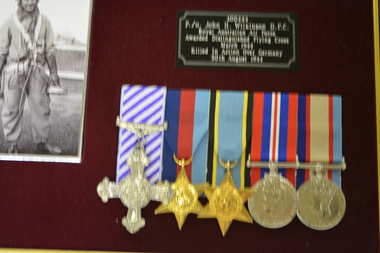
<point>319,133</point>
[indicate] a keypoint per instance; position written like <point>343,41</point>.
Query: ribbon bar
<point>321,166</point>
<point>141,129</point>
<point>297,165</point>
<point>143,107</point>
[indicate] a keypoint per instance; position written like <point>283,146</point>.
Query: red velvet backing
<point>55,206</point>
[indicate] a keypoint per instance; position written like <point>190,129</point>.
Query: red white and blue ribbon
<point>274,132</point>
<point>146,105</point>
<point>319,133</point>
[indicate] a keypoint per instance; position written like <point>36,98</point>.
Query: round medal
<point>274,201</point>
<point>321,204</point>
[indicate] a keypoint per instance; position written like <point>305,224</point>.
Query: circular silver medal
<point>273,203</point>
<point>321,204</point>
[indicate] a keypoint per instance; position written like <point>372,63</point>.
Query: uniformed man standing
<point>26,45</point>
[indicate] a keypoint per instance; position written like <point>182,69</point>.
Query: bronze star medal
<point>226,202</point>
<point>185,199</point>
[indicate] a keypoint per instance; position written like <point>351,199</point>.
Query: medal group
<point>281,153</point>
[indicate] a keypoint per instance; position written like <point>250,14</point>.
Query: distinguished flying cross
<point>135,191</point>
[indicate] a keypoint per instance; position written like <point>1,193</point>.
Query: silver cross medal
<point>135,191</point>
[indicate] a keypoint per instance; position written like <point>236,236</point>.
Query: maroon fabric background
<point>55,206</point>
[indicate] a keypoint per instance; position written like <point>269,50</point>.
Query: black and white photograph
<point>44,47</point>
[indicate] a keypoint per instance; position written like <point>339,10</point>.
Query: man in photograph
<point>26,46</point>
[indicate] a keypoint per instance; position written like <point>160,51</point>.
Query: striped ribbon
<point>146,105</point>
<point>319,133</point>
<point>187,114</point>
<point>228,140</point>
<point>283,125</point>
<point>274,132</point>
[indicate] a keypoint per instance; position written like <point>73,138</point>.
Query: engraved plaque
<point>237,40</point>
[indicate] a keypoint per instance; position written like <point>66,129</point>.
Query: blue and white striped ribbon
<point>146,105</point>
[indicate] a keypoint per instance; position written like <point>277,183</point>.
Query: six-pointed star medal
<point>226,203</point>
<point>185,200</point>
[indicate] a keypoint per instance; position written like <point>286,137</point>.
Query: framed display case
<point>55,206</point>
<point>376,33</point>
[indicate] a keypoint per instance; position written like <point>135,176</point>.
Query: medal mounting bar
<point>140,130</point>
<point>318,166</point>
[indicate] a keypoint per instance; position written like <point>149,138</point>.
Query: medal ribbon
<point>187,135</point>
<point>274,132</point>
<point>228,140</point>
<point>320,133</point>
<point>145,105</point>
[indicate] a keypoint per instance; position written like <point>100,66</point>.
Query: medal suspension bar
<point>141,129</point>
<point>318,166</point>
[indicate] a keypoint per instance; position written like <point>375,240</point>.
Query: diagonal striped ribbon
<point>187,115</point>
<point>274,132</point>
<point>146,105</point>
<point>320,133</point>
<point>228,141</point>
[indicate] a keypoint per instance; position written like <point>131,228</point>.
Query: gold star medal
<point>226,202</point>
<point>185,200</point>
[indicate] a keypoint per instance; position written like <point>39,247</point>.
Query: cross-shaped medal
<point>135,191</point>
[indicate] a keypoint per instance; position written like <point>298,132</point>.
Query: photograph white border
<point>69,19</point>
